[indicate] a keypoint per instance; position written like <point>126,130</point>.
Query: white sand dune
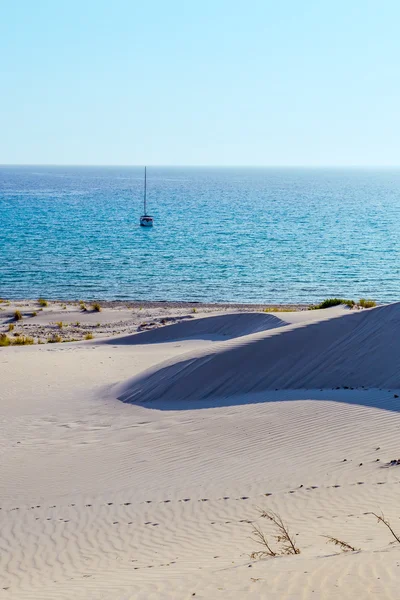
<point>354,349</point>
<point>105,500</point>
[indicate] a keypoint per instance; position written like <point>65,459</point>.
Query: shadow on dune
<point>354,350</point>
<point>220,327</point>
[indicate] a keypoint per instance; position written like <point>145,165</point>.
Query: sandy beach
<point>137,464</point>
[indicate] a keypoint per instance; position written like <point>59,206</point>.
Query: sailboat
<point>145,220</point>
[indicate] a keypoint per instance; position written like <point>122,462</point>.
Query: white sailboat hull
<point>146,221</point>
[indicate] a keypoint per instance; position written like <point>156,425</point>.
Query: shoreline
<point>27,322</point>
<point>167,303</point>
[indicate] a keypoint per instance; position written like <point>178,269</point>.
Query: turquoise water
<point>221,234</point>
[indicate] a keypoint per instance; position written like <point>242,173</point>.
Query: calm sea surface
<point>221,234</point>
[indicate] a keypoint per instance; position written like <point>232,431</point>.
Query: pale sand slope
<point>108,500</point>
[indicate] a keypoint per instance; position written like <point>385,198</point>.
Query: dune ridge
<point>354,349</point>
<point>226,326</point>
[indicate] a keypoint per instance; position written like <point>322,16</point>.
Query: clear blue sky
<point>212,82</point>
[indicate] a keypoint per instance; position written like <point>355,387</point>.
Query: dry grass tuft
<point>367,303</point>
<point>43,302</point>
<point>270,309</point>
<point>96,307</point>
<point>60,324</point>
<point>54,339</point>
<point>4,340</point>
<point>89,336</point>
<point>22,340</point>
<point>11,327</point>
<point>344,546</point>
<point>19,340</point>
<point>17,315</point>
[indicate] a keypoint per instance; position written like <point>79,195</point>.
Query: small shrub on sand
<point>54,339</point>
<point>64,307</point>
<point>34,314</point>
<point>77,324</point>
<point>332,302</point>
<point>367,303</point>
<point>11,327</point>
<point>60,324</point>
<point>286,541</point>
<point>344,546</point>
<point>17,315</point>
<point>194,310</point>
<point>83,306</point>
<point>96,307</point>
<point>89,336</point>
<point>43,302</point>
<point>4,340</point>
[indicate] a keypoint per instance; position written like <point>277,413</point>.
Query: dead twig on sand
<point>260,538</point>
<point>344,546</point>
<point>381,519</point>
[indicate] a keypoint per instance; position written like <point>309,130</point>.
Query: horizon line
<point>207,166</point>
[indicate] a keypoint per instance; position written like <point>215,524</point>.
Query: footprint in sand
<point>155,524</point>
<point>88,505</point>
<point>167,501</point>
<point>204,500</point>
<point>127,503</point>
<point>244,497</point>
<point>109,503</point>
<point>148,501</point>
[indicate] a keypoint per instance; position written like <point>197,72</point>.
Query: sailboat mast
<point>145,186</point>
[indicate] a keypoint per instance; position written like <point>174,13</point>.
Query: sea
<point>240,235</point>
